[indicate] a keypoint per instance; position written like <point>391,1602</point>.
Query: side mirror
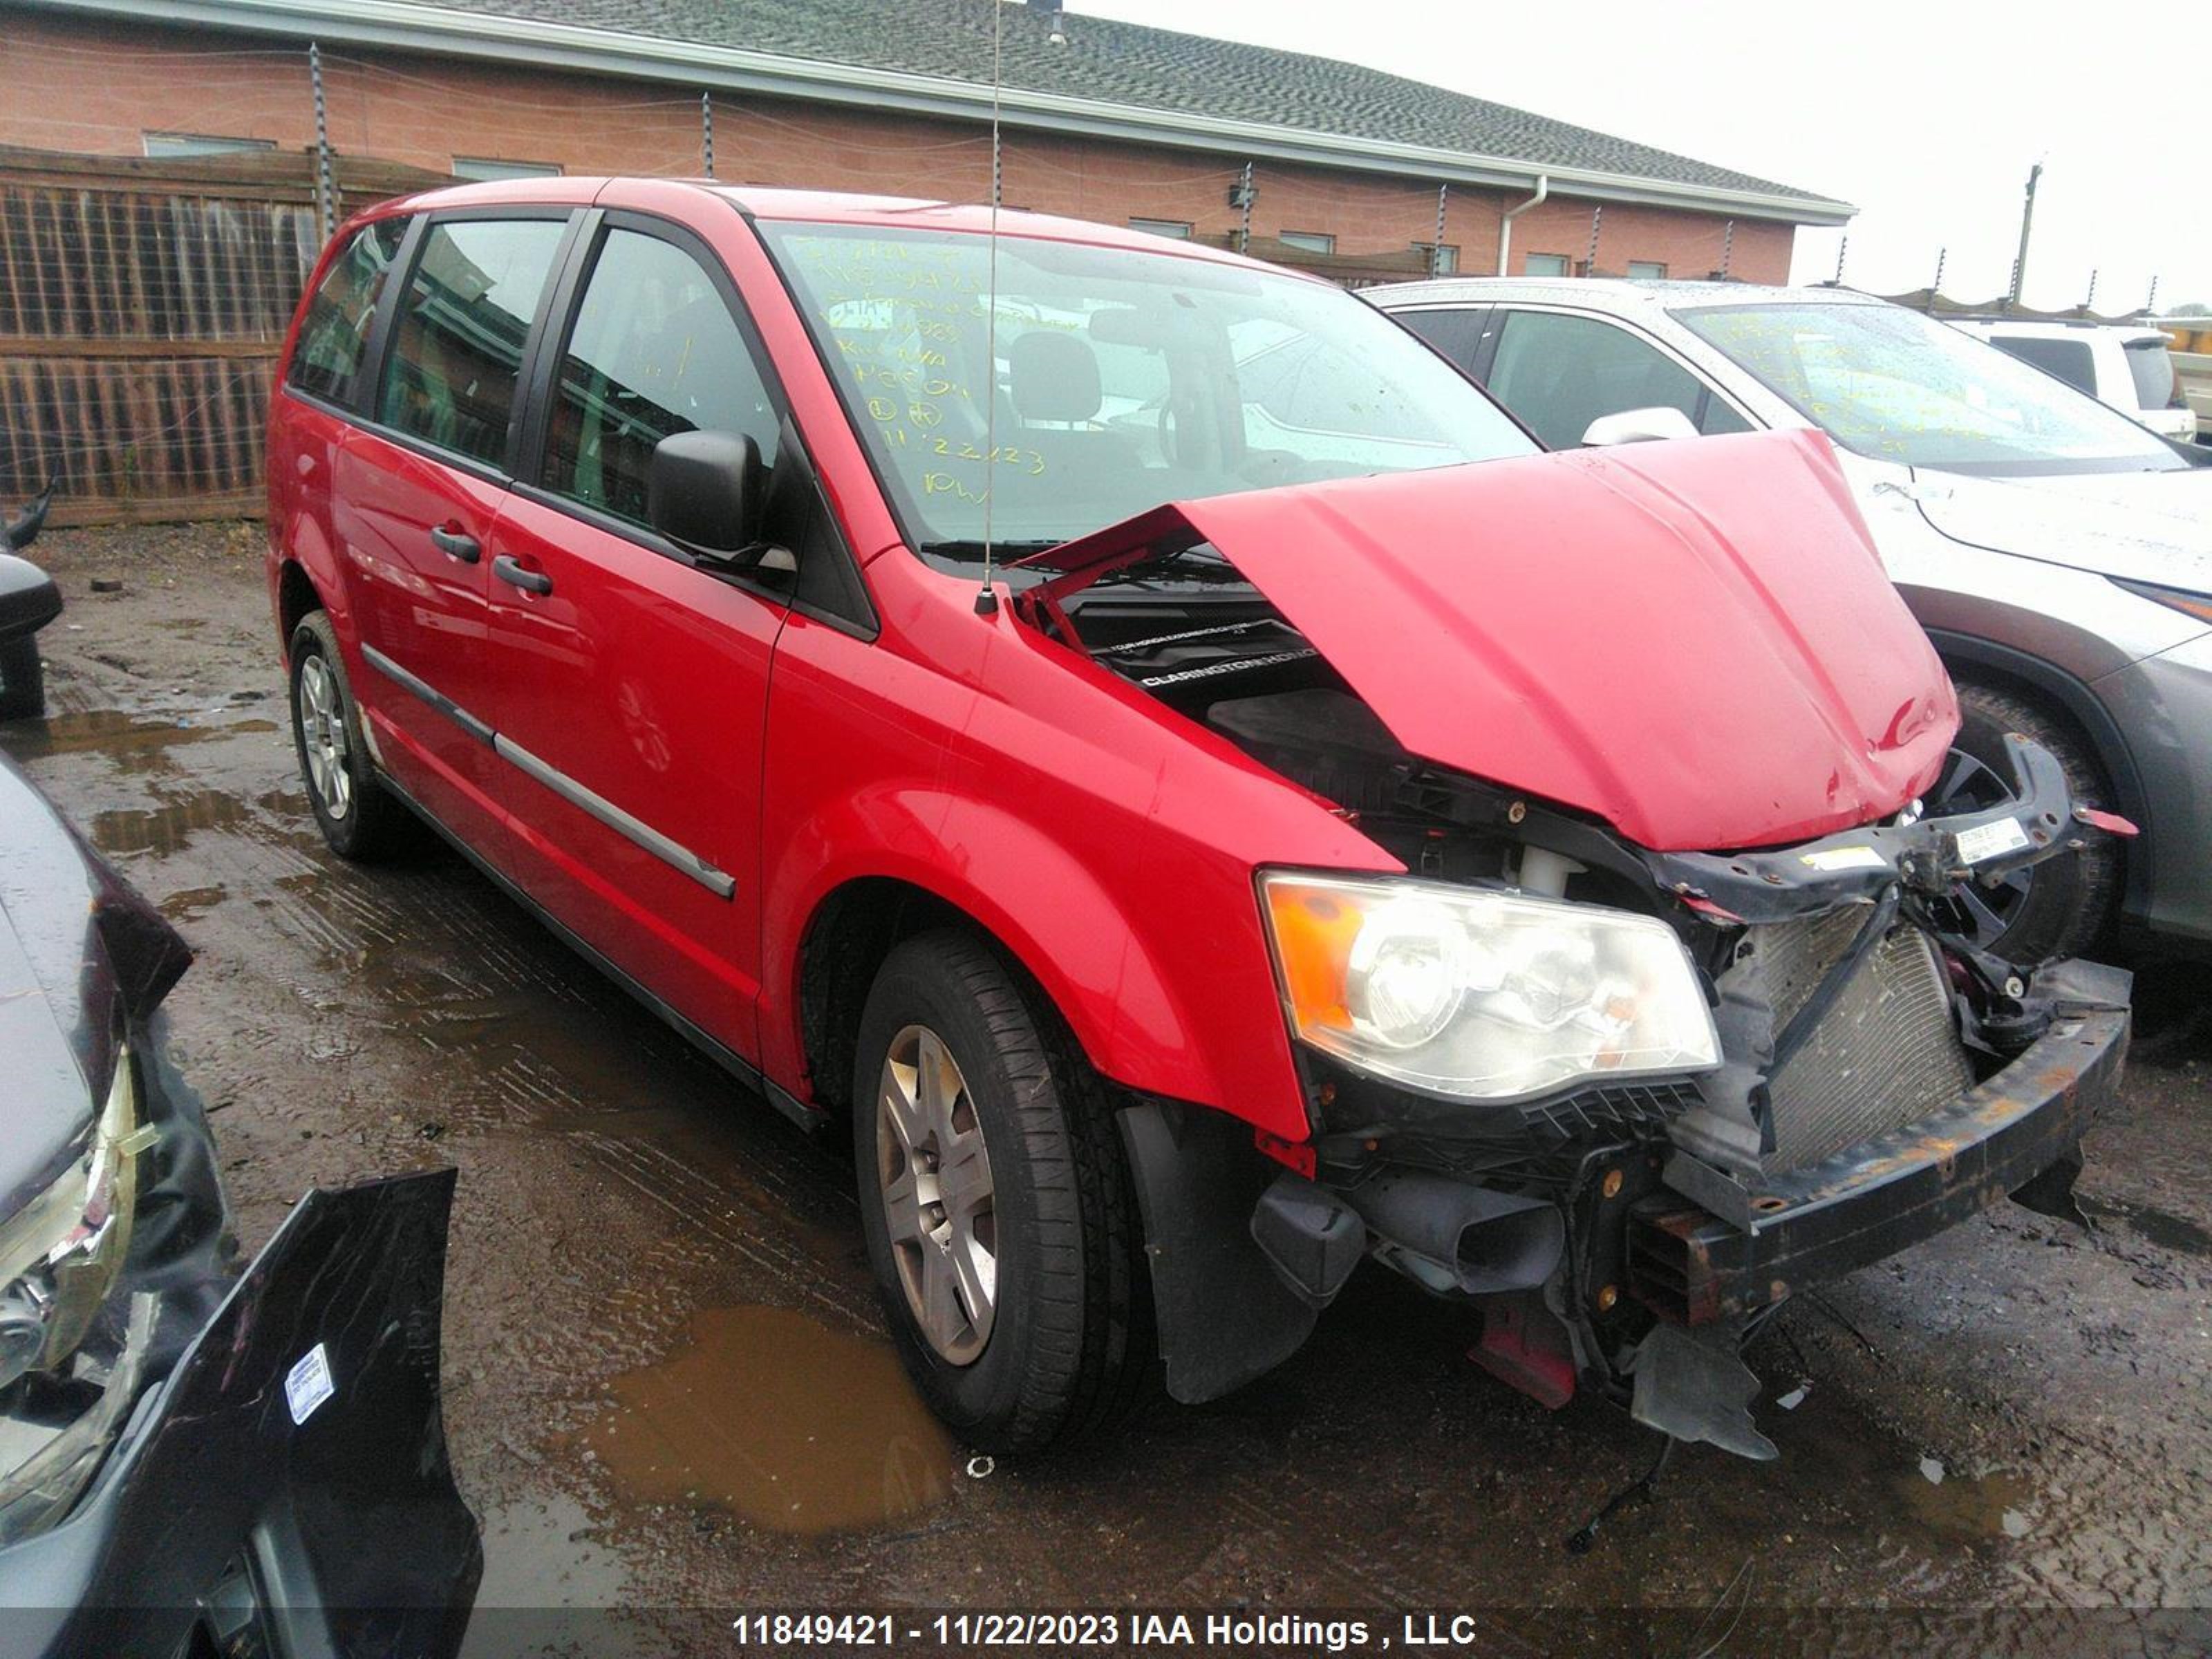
<point>703,491</point>
<point>1637,426</point>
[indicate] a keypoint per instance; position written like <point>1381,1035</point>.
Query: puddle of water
<point>167,827</point>
<point>134,744</point>
<point>1997,1505</point>
<point>190,903</point>
<point>780,1420</point>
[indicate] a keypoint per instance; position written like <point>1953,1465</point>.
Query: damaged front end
<point>1675,1009</point>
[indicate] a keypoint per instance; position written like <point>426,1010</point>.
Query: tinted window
<point>327,359</point>
<point>655,352</point>
<point>2069,360</point>
<point>449,378</point>
<point>2153,369</point>
<point>1456,331</point>
<point>1559,374</point>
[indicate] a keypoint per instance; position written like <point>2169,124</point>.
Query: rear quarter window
<point>2064,360</point>
<point>327,363</point>
<point>2152,368</point>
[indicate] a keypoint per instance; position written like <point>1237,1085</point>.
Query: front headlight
<point>60,1254</point>
<point>1481,994</point>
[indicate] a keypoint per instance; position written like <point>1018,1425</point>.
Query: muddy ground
<point>667,1386</point>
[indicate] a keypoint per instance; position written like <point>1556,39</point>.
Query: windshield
<point>1899,387</point>
<point>1120,380</point>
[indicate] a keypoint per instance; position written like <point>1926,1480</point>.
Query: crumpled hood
<point>2145,526</point>
<point>1694,641</point>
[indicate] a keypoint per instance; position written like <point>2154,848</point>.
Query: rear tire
<point>1052,1339</point>
<point>361,819</point>
<point>2067,903</point>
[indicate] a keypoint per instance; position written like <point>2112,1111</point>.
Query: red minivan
<point>1179,772</point>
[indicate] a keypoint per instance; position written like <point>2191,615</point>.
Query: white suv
<point>2129,368</point>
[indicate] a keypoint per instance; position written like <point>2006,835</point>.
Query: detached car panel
<point>159,1467</point>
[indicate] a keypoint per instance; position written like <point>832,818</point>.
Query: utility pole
<point>2027,223</point>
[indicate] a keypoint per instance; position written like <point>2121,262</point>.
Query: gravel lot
<point>667,1390</point>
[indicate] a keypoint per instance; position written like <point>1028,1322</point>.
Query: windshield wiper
<point>964,548</point>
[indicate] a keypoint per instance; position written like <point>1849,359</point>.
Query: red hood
<point>1694,641</point>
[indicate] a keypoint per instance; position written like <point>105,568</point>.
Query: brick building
<point>169,167</point>
<point>1102,120</point>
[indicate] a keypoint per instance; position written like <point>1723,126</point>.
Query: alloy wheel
<point>323,737</point>
<point>935,1176</point>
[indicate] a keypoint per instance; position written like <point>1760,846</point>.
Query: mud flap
<point>1224,1315</point>
<point>1693,1385</point>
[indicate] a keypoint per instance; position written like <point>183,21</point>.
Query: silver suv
<point>2059,555</point>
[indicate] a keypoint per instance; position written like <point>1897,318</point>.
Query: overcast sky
<point>1927,116</point>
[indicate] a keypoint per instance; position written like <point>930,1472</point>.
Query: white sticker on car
<point>1844,858</point>
<point>307,1384</point>
<point>1988,840</point>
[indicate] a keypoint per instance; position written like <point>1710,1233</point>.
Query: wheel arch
<point>2074,701</point>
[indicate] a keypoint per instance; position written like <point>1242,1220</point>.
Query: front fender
<point>1046,908</point>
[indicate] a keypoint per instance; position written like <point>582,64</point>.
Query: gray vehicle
<point>2059,555</point>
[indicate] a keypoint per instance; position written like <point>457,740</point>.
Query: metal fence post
<point>707,130</point>
<point>1244,201</point>
<point>1437,247</point>
<point>325,188</point>
<point>1728,248</point>
<point>1597,217</point>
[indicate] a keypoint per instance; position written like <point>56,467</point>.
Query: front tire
<point>358,818</point>
<point>2064,906</point>
<point>997,1204</point>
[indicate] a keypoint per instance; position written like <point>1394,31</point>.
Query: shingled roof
<point>1147,68</point>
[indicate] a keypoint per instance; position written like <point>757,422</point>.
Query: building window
<point>1545,264</point>
<point>1308,241</point>
<point>478,166</point>
<point>1438,261</point>
<point>169,145</point>
<point>1646,270</point>
<point>1179,228</point>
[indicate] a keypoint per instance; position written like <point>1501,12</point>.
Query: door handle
<point>512,571</point>
<point>455,545</point>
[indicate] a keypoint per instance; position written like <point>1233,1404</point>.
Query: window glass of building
<point>1559,372</point>
<point>1544,264</point>
<point>1308,241</point>
<point>327,360</point>
<point>1438,261</point>
<point>1646,270</point>
<point>655,352</point>
<point>1178,229</point>
<point>462,325</point>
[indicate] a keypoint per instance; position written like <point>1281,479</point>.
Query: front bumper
<point>243,1500</point>
<point>1884,1195</point>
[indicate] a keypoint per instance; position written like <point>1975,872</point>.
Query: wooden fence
<point>142,306</point>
